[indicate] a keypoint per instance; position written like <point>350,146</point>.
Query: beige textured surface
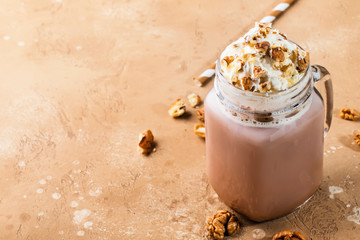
<point>79,81</point>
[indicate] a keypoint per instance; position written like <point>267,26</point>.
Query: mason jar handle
<point>323,87</point>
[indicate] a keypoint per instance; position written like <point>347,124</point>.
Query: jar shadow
<point>320,217</point>
<point>349,142</point>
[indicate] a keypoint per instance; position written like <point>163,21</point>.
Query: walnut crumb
<point>241,66</point>
<point>194,99</point>
<point>200,113</point>
<point>177,109</point>
<point>223,223</point>
<point>265,46</point>
<point>292,56</point>
<point>277,54</point>
<point>228,59</point>
<point>289,70</point>
<point>263,85</point>
<point>258,72</point>
<point>263,32</point>
<point>303,62</point>
<point>288,235</point>
<point>247,83</point>
<point>349,114</point>
<point>199,129</point>
<point>357,138</point>
<point>251,41</point>
<point>283,35</point>
<point>146,142</point>
<point>265,25</point>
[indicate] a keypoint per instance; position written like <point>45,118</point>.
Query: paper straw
<point>269,18</point>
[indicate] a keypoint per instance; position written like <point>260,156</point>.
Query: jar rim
<point>260,94</point>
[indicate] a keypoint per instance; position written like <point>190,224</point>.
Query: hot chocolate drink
<point>264,126</point>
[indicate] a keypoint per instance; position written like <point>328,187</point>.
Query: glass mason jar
<point>264,151</point>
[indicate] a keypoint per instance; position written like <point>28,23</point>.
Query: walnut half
<point>222,224</point>
<point>288,235</point>
<point>349,114</point>
<point>199,129</point>
<point>146,142</point>
<point>177,109</point>
<point>194,99</point>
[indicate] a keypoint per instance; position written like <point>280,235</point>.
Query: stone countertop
<point>81,79</point>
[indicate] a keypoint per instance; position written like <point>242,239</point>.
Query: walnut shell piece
<point>146,142</point>
<point>222,224</point>
<point>199,129</point>
<point>177,109</point>
<point>194,99</point>
<point>288,235</point>
<point>357,138</point>
<point>349,114</point>
<point>200,113</point>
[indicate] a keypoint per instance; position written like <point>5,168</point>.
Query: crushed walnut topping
<point>247,83</point>
<point>265,25</point>
<point>277,54</point>
<point>265,86</point>
<point>251,40</point>
<point>280,61</point>
<point>288,235</point>
<point>263,32</point>
<point>194,99</point>
<point>357,138</point>
<point>289,70</point>
<point>284,36</point>
<point>146,142</point>
<point>199,129</point>
<point>223,223</point>
<point>265,46</point>
<point>349,114</point>
<point>177,109</point>
<point>258,72</point>
<point>241,66</point>
<point>303,62</point>
<point>292,57</point>
<point>200,113</point>
<point>228,59</point>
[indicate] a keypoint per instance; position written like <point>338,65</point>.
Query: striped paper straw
<point>269,18</point>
